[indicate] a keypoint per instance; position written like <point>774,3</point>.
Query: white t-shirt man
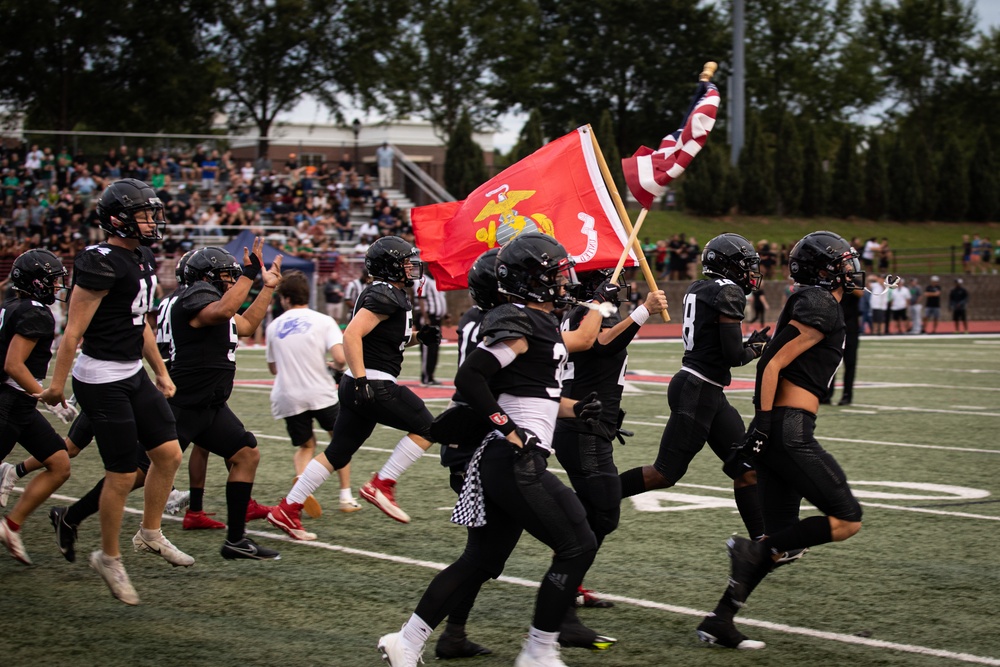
<point>298,341</point>
<point>900,298</point>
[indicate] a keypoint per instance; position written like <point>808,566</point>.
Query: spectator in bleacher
<point>226,169</point>
<point>112,165</point>
<point>84,185</point>
<point>387,223</point>
<point>64,168</point>
<point>384,157</point>
<point>247,172</point>
<point>885,257</point>
<point>209,171</point>
<point>342,223</point>
<point>33,161</point>
<point>346,165</point>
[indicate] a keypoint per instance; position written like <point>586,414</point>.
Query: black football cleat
<point>65,533</point>
<point>247,549</point>
<point>450,646</point>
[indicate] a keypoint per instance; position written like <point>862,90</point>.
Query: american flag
<point>648,172</point>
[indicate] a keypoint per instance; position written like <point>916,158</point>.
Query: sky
<point>309,111</point>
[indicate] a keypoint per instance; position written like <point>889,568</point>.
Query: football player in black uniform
<point>513,379</point>
<point>792,376</point>
<point>27,329</point>
<point>66,520</point>
<point>205,329</point>
<point>585,448</point>
<point>382,326</point>
<point>699,411</point>
<point>114,286</point>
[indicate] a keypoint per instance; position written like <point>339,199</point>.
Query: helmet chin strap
<point>891,282</point>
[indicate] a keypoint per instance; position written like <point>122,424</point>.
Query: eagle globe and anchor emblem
<point>506,222</point>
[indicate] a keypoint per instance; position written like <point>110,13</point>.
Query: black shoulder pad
<point>731,302</point>
<point>383,299</point>
<point>505,322</point>
<point>815,307</point>
<point>197,296</point>
<point>36,322</point>
<point>93,269</point>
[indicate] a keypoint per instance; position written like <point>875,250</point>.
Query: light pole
<point>356,126</point>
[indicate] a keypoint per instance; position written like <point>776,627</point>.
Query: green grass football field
<point>920,584</point>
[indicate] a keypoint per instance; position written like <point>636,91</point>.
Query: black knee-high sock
<point>748,503</point>
<point>632,482</point>
<point>808,532</point>
<point>197,500</point>
<point>448,589</point>
<point>237,499</point>
<point>86,506</point>
<point>459,616</point>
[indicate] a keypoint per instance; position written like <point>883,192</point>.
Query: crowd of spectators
<point>48,199</point>
<point>679,257</point>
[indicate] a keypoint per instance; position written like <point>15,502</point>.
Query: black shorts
<point>216,429</point>
<point>81,434</point>
<point>395,406</point>
<point>21,423</point>
<point>958,315</point>
<point>125,412</point>
<point>899,315</point>
<point>588,459</point>
<point>795,466</point>
<point>699,413</point>
<point>300,426</point>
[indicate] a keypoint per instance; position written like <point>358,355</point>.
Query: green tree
<point>614,55</point>
<point>846,193</point>
<point>918,47</point>
<point>606,140</point>
<point>788,167</point>
<point>274,53</point>
<point>703,183</point>
<point>813,177</point>
<point>904,181</point>
<point>756,173</point>
<point>455,56</point>
<point>953,182</point>
<point>112,66</point>
<point>875,186</point>
<point>530,139</point>
<point>984,183</point>
<point>464,168</point>
<point>927,179</point>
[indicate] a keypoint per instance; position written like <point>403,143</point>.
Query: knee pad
<point>605,522</point>
<point>249,440</point>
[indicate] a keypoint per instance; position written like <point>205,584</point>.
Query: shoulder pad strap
<point>505,322</point>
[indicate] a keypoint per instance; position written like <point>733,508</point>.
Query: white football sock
<point>415,632</point>
<point>311,479</point>
<point>345,494</point>
<point>540,643</point>
<point>403,456</point>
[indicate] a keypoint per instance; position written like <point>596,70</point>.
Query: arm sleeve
<point>472,382</point>
<point>619,342</point>
<point>733,351</point>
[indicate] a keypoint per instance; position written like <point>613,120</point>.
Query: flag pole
<point>633,232</point>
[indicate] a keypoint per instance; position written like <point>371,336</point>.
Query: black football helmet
<point>483,280</point>
<point>122,200</point>
<point>212,263</point>
<point>732,257</point>
<point>39,274</point>
<point>386,257</point>
<point>181,263</point>
<point>827,260</point>
<point>534,267</point>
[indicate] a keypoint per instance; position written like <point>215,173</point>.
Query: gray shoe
<point>161,546</point>
<point>12,540</point>
<point>8,475</point>
<point>114,575</point>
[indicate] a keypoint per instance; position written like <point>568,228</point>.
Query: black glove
<point>620,432</point>
<point>252,270</point>
<point>588,408</point>
<point>429,335</point>
<point>757,341</point>
<point>528,438</point>
<point>364,393</point>
<point>607,291</point>
<point>760,431</point>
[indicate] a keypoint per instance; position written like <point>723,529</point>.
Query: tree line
<point>838,91</point>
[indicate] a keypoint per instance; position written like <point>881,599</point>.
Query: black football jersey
<point>595,370</point>
<point>468,337</point>
<point>704,301</point>
<point>204,362</point>
<point>538,372</point>
<point>813,369</point>
<point>115,332</point>
<point>164,329</point>
<point>384,345</point>
<point>33,320</point>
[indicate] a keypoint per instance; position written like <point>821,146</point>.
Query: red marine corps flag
<point>558,190</point>
<point>648,172</point>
